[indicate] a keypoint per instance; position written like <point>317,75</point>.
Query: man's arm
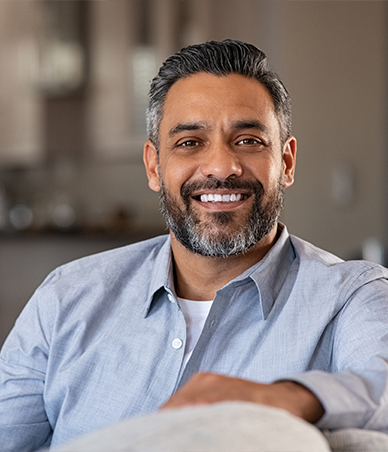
<point>352,385</point>
<point>206,388</point>
<point>23,360</point>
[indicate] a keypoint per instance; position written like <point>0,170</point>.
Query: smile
<point>221,198</point>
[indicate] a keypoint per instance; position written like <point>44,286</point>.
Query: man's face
<point>221,171</point>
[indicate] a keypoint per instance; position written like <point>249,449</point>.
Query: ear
<point>150,158</point>
<point>289,160</point>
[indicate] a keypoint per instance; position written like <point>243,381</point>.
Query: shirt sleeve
<point>24,425</point>
<point>355,394</point>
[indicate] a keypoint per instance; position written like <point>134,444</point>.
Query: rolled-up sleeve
<point>355,394</point>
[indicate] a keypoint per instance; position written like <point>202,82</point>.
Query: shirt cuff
<point>342,397</point>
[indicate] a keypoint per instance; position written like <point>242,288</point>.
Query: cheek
<point>261,170</point>
<point>275,177</point>
<point>176,173</point>
<point>268,172</point>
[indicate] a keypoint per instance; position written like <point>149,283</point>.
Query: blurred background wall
<point>74,77</point>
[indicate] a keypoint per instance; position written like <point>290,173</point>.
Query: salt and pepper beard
<point>213,237</point>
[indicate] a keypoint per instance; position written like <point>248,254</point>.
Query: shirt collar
<point>162,274</point>
<point>268,274</point>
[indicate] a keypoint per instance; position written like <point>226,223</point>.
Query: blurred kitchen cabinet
<point>128,42</point>
<point>20,103</point>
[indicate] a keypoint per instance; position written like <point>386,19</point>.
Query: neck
<point>198,277</point>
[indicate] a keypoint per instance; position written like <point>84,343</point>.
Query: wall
<point>335,66</point>
<point>333,58</point>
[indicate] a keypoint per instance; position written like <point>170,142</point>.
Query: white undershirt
<point>195,313</point>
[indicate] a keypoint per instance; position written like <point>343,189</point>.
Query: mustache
<point>213,183</point>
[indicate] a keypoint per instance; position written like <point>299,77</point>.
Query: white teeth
<point>220,198</point>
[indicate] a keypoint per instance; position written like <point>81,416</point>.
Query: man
<point>227,307</point>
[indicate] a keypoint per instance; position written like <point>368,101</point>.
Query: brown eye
<point>248,141</point>
<point>189,144</point>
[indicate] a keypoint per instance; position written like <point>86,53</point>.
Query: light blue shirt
<point>103,339</point>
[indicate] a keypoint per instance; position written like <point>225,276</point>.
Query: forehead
<point>218,99</point>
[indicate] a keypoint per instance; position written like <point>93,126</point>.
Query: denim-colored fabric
<point>103,339</point>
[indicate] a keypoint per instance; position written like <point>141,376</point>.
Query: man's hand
<point>206,388</point>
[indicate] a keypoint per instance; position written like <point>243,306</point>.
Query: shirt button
<point>171,298</point>
<point>177,343</point>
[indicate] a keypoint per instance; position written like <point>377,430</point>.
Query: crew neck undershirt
<point>195,314</point>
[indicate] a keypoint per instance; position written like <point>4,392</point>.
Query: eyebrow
<point>236,125</point>
<point>250,124</point>
<point>187,127</point>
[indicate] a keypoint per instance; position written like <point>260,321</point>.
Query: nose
<point>221,162</point>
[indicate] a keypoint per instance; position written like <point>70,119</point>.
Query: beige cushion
<point>223,427</point>
<point>357,440</point>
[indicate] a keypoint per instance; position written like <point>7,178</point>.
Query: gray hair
<point>217,58</point>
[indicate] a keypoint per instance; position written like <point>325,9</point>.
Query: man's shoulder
<point>309,252</point>
<point>320,262</point>
<point>125,259</point>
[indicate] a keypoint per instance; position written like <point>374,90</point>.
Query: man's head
<point>217,58</point>
<point>220,155</point>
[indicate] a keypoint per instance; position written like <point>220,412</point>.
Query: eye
<point>249,142</point>
<point>189,144</point>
